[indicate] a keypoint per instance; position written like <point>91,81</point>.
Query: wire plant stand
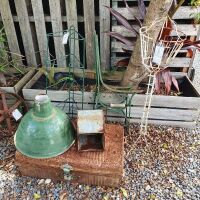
<point>71,62</point>
<point>156,56</point>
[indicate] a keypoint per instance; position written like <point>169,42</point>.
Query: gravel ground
<point>165,164</point>
<point>196,65</point>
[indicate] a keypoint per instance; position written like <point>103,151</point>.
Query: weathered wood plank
<point>40,29</point>
<point>56,21</point>
<point>117,47</point>
<point>183,124</point>
<point>184,12</point>
<point>25,28</point>
<point>159,101</point>
<point>47,18</point>
<point>9,27</point>
<point>176,63</point>
<point>89,23</point>
<point>188,29</point>
<point>72,20</point>
<point>136,112</point>
<point>104,38</point>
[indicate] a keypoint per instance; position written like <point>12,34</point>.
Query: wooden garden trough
<point>20,84</point>
<point>168,110</point>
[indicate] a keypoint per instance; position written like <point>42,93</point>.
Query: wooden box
<point>95,168</point>
<point>178,111</point>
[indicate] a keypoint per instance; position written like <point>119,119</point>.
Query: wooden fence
<point>184,23</point>
<point>27,22</point>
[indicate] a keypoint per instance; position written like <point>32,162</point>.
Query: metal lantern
<point>45,131</point>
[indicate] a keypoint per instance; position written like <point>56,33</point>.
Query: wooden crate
<point>18,86</point>
<point>95,168</point>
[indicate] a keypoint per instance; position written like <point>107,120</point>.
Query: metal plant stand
<point>74,86</point>
<point>124,105</point>
<point>156,55</point>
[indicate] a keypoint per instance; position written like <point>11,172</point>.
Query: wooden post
<point>40,30</point>
<point>10,30</point>
<point>26,32</point>
<point>89,22</point>
<point>104,17</point>
<point>72,20</point>
<point>56,20</point>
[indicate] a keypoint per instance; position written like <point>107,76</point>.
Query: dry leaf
<point>63,196</point>
<point>36,196</point>
<point>165,146</point>
<point>124,192</point>
<point>105,197</point>
<point>152,197</point>
<point>179,193</point>
<point>2,79</point>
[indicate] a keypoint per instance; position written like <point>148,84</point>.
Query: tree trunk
<point>135,73</point>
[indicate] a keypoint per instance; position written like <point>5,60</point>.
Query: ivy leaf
<point>124,192</point>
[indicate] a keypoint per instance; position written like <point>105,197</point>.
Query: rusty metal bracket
<point>8,103</point>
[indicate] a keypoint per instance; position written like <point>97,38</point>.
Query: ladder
<point>147,104</point>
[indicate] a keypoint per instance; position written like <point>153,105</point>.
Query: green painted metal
<point>69,80</point>
<point>45,131</point>
<point>126,92</point>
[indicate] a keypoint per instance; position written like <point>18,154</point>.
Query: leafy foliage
<point>165,77</point>
<point>195,3</point>
<point>5,58</point>
<point>162,76</point>
<point>195,15</point>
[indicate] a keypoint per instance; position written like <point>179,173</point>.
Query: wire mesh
<point>156,56</point>
<point>67,81</point>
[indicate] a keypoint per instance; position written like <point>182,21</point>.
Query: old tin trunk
<point>95,168</point>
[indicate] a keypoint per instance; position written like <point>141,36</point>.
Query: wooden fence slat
<point>176,63</point>
<point>117,47</point>
<point>40,29</point>
<point>184,12</point>
<point>9,27</point>
<point>72,20</point>
<point>89,17</point>
<point>188,29</point>
<point>26,32</point>
<point>47,18</point>
<point>104,16</point>
<point>55,11</point>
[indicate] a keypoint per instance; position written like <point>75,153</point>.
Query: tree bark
<point>135,73</point>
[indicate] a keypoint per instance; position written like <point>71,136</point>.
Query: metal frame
<point>124,104</point>
<point>73,62</point>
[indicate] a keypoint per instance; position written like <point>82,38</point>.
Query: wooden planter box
<point>18,86</point>
<point>168,110</point>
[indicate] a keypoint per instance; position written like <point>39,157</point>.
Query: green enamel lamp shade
<point>45,131</point>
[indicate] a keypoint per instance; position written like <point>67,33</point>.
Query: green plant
<point>5,58</point>
<point>195,3</point>
<point>195,15</point>
<point>50,75</point>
